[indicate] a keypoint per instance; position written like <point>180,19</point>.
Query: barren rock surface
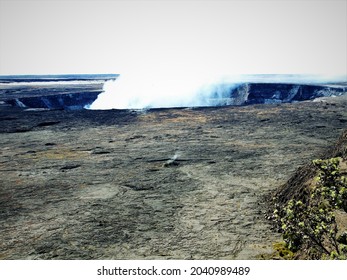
<point>161,184</point>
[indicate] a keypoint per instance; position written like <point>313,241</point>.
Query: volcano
<point>165,183</point>
<point>47,93</point>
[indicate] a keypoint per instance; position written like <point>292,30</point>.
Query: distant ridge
<point>63,77</point>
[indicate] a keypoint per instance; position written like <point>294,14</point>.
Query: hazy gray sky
<point>52,37</point>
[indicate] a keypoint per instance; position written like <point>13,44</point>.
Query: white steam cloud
<point>181,53</point>
<point>160,90</point>
<point>141,90</point>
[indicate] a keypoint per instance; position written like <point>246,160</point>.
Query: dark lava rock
<point>51,96</point>
<point>283,93</point>
<point>52,91</point>
<point>117,200</point>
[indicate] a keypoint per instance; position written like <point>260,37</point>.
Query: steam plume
<point>141,90</point>
<point>158,90</point>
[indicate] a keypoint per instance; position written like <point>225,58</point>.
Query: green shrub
<point>283,251</point>
<point>312,225</point>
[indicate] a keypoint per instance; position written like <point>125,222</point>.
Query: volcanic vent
<point>72,95</point>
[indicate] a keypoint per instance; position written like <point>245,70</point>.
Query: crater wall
<point>77,96</point>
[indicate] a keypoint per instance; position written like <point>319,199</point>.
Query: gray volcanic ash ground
<point>184,183</point>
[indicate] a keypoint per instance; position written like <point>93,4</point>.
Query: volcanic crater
<point>175,183</point>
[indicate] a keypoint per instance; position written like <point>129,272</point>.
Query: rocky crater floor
<point>158,184</point>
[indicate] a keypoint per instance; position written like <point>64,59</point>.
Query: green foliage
<point>331,185</point>
<point>283,251</point>
<point>312,225</point>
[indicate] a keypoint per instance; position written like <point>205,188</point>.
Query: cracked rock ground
<point>100,184</point>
